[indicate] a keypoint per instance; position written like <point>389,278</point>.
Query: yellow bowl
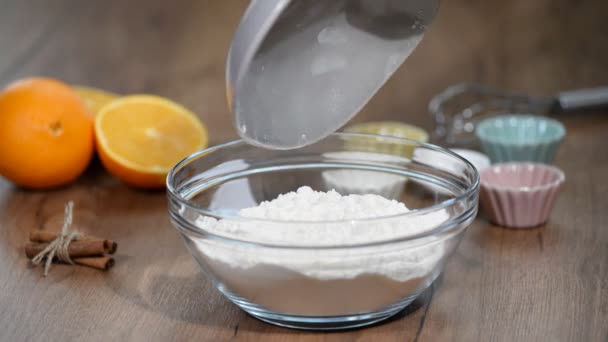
<point>388,128</point>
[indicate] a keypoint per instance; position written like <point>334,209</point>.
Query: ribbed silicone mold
<point>520,138</point>
<point>520,195</point>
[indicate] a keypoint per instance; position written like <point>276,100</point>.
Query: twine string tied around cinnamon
<point>59,246</point>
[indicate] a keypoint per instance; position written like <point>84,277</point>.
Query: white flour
<point>308,205</point>
<point>268,224</point>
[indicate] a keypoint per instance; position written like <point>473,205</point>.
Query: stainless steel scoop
<point>457,110</point>
<point>299,69</point>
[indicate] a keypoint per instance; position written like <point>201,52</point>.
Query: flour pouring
<point>299,70</point>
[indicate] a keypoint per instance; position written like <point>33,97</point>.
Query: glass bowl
<point>321,274</point>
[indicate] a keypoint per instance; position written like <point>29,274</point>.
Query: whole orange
<point>46,133</point>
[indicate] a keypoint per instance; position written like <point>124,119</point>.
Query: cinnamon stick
<point>101,263</point>
<point>46,236</point>
<point>77,248</point>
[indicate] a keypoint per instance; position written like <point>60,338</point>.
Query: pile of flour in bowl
<point>305,204</point>
<point>307,218</point>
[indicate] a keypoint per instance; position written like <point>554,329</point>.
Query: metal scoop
<point>299,69</point>
<point>457,110</point>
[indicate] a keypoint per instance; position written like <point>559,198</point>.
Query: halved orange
<point>94,98</point>
<point>141,137</point>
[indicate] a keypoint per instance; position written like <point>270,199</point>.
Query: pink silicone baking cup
<point>520,195</point>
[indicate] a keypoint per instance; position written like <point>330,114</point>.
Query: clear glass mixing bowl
<point>323,274</point>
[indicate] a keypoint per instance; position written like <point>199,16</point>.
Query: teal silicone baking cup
<point>520,137</point>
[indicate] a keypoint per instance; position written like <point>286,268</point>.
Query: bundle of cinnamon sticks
<point>86,250</point>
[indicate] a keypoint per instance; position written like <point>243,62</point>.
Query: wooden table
<point>548,283</point>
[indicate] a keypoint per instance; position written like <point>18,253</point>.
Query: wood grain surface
<point>544,284</point>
